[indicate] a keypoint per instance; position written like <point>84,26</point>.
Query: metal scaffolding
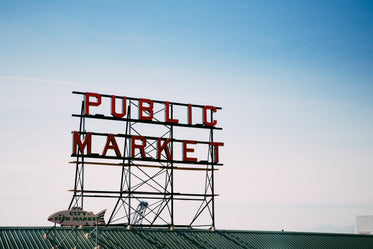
<point>148,178</point>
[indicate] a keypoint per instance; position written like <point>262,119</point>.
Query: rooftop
<point>114,237</point>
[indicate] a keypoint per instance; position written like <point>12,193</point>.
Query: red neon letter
<point>140,146</point>
<point>114,146</point>
<point>208,107</point>
<point>88,103</point>
<point>124,109</point>
<point>168,119</point>
<point>216,145</point>
<point>190,114</point>
<point>78,142</point>
<point>148,109</point>
<point>164,147</point>
<point>186,150</point>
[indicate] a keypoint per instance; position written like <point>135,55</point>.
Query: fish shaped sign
<point>76,216</point>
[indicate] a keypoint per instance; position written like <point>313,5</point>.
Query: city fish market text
<point>82,141</point>
<point>77,217</point>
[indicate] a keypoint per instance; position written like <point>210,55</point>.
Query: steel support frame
<point>161,212</point>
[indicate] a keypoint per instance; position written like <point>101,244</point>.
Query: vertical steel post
<point>172,167</point>
<point>129,165</point>
<point>124,174</point>
<point>79,169</point>
<point>212,171</point>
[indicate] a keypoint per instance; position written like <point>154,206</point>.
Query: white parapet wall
<point>364,224</point>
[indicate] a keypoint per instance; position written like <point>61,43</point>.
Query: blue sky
<point>294,80</point>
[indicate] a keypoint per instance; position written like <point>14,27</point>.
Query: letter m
<point>78,142</point>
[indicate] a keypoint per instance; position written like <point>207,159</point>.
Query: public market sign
<point>145,111</point>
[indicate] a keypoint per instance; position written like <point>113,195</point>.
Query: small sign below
<point>77,217</point>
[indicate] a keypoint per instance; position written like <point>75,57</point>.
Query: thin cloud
<point>47,81</point>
